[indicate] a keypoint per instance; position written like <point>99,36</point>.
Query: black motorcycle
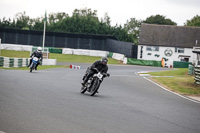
<point>94,82</point>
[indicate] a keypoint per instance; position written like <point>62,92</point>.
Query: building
<point>173,43</point>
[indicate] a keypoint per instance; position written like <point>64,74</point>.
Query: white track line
<point>172,91</point>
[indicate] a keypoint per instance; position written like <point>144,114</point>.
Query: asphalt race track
<point>49,101</point>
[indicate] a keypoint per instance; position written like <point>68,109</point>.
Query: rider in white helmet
<point>38,54</point>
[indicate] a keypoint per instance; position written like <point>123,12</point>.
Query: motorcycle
<point>34,63</point>
<point>94,82</point>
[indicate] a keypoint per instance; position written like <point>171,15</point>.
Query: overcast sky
<point>118,10</point>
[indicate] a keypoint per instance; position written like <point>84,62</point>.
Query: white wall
<point>161,53</point>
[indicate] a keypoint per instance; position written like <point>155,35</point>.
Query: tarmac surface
<point>49,101</point>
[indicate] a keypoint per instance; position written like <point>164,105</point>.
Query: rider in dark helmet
<point>37,54</point>
<point>100,65</point>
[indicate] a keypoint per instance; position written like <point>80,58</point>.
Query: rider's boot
<point>36,66</point>
<point>29,63</point>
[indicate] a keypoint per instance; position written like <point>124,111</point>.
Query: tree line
<point>86,21</point>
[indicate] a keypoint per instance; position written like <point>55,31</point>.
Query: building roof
<point>170,36</point>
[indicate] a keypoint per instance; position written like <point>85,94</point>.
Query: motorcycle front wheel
<point>83,89</point>
<point>31,68</point>
<point>95,87</point>
<point>33,65</point>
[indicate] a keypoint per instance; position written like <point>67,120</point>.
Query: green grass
<point>16,54</point>
<point>58,57</point>
<point>181,83</point>
<point>176,72</point>
<point>39,67</point>
<point>79,58</point>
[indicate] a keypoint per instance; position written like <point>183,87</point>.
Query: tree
<point>37,24</point>
<point>22,21</point>
<point>195,21</point>
<point>84,21</point>
<point>106,19</point>
<point>55,17</point>
<point>158,19</point>
<point>133,29</point>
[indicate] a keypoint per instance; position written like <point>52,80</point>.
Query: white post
<point>44,35</point>
<point>0,46</point>
<point>45,19</point>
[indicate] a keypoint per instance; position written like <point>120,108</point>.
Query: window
<point>152,48</point>
<point>179,50</point>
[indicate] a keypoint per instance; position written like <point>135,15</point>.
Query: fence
<point>181,64</point>
<point>197,74</point>
<point>143,62</point>
<point>68,40</point>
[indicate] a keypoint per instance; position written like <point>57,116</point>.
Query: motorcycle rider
<point>100,65</point>
<point>38,54</point>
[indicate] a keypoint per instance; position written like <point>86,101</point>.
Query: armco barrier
<point>18,62</point>
<point>118,56</point>
<point>190,69</point>
<point>8,62</point>
<point>96,53</point>
<point>49,62</point>
<point>16,47</point>
<point>13,62</point>
<point>1,61</point>
<point>21,62</point>
<point>197,74</point>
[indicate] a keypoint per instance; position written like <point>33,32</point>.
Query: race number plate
<point>99,75</point>
<point>35,58</point>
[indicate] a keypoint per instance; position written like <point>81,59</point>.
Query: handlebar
<point>105,74</point>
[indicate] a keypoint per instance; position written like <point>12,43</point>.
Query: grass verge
<point>58,57</point>
<point>39,67</point>
<point>181,82</point>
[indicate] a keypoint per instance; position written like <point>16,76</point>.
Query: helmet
<point>39,49</point>
<point>104,60</point>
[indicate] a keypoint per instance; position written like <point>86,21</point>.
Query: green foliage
<point>195,21</point>
<point>83,21</point>
<point>159,19</point>
<point>133,28</point>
